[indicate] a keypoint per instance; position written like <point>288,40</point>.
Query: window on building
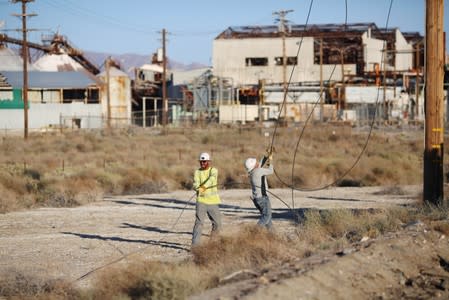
<point>73,95</point>
<point>93,95</point>
<point>256,61</point>
<point>291,60</point>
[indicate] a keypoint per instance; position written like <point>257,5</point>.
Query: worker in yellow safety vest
<point>205,183</point>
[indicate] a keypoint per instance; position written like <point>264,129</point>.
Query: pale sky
<point>135,26</point>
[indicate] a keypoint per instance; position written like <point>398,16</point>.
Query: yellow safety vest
<point>209,179</point>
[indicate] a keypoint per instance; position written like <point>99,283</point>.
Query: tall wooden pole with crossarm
<point>434,123</point>
<point>25,55</point>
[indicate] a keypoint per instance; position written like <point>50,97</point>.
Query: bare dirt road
<point>71,243</point>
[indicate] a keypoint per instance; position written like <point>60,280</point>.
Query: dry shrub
<point>8,200</point>
<point>441,226</point>
<point>143,161</point>
<point>348,226</point>
<point>433,212</point>
<point>52,198</point>
<point>15,183</point>
<point>15,285</point>
<point>139,181</point>
<point>68,191</point>
<point>151,280</point>
<point>108,181</point>
<point>252,247</point>
<point>321,225</point>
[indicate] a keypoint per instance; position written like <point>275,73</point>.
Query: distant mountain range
<point>130,61</point>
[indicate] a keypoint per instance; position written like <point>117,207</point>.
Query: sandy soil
<point>73,243</point>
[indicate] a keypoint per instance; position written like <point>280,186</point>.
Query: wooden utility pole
<point>321,82</point>
<point>384,64</point>
<point>108,91</point>
<point>164,82</point>
<point>25,55</point>
<point>261,100</point>
<point>416,112</point>
<point>434,124</point>
<point>282,24</point>
<point>342,98</point>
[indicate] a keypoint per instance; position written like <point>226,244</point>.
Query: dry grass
<point>154,280</point>
<point>338,228</point>
<point>78,167</point>
<point>75,168</point>
<point>15,285</point>
<point>251,248</point>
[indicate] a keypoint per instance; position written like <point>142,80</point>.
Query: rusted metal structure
<point>328,58</point>
<point>57,44</point>
<point>341,43</point>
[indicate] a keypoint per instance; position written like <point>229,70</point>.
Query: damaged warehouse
<point>336,72</point>
<point>65,90</point>
<point>331,58</point>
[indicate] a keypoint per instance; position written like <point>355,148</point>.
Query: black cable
<point>302,132</point>
<point>291,75</point>
<point>272,144</point>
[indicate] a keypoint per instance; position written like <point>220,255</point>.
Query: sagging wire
<point>284,101</point>
<point>271,148</point>
<point>290,78</point>
<point>307,120</point>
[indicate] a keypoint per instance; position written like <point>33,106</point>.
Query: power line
<point>70,8</point>
<point>308,118</point>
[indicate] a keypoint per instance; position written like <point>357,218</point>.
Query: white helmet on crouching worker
<point>204,157</point>
<point>250,164</point>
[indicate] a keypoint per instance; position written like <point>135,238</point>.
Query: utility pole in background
<point>25,55</point>
<point>321,82</point>
<point>261,100</point>
<point>164,81</point>
<point>384,69</point>
<point>417,80</point>
<point>434,125</point>
<point>108,90</point>
<point>282,24</point>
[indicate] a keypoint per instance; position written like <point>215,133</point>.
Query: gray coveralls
<point>259,187</point>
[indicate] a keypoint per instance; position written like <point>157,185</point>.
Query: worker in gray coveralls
<point>259,186</point>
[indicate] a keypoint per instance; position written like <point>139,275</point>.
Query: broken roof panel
<point>49,80</point>
<point>293,30</point>
<point>312,30</point>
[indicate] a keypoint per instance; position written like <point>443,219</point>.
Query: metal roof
<point>49,80</point>
<point>294,30</point>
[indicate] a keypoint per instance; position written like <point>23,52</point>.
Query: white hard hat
<point>250,163</point>
<point>204,156</point>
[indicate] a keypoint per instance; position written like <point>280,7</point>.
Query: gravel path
<point>71,243</point>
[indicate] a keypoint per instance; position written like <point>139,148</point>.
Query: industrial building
<point>328,72</point>
<point>332,64</point>
<point>250,53</point>
<point>65,90</point>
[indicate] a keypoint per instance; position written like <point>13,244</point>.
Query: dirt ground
<point>74,243</point>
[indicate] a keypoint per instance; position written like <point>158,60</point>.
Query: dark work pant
<point>263,204</point>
